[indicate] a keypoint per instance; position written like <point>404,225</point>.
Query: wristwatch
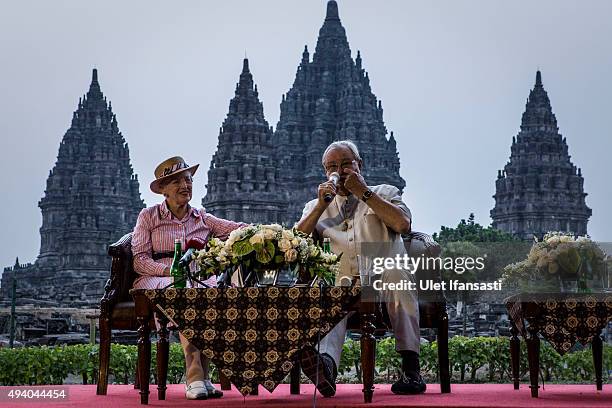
<point>366,195</point>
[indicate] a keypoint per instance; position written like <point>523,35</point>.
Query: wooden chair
<point>432,314</point>
<point>117,312</point>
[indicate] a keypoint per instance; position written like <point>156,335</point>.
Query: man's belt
<point>160,255</point>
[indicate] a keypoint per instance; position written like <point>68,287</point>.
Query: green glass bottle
<point>331,280</point>
<point>175,270</point>
<point>584,273</point>
<point>326,245</point>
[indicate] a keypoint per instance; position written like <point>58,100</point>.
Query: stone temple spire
<point>91,199</point>
<point>246,101</point>
<point>93,110</point>
<point>540,190</point>
<point>94,87</point>
<point>331,99</point>
<point>242,176</point>
<point>538,112</point>
<point>332,11</point>
<point>332,44</point>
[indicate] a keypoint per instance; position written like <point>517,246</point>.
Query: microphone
<point>194,244</point>
<point>334,178</point>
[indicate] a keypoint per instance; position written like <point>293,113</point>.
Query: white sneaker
<point>196,391</point>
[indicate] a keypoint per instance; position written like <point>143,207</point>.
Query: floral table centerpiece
<point>560,262</point>
<point>266,248</point>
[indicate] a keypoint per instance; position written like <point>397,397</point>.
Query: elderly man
<point>360,214</point>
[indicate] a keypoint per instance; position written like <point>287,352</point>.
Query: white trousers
<point>403,309</point>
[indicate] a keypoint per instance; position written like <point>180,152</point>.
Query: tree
<point>498,247</point>
<point>470,239</point>
<point>473,232</point>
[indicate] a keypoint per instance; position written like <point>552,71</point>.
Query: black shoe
<point>409,384</point>
<point>326,374</point>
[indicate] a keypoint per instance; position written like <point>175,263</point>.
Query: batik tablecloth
<point>253,334</point>
<point>561,318</point>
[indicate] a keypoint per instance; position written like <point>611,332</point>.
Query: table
<point>562,319</point>
<point>251,334</point>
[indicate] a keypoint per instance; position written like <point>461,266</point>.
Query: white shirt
<point>348,230</point>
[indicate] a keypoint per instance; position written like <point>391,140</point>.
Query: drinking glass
<point>364,265</point>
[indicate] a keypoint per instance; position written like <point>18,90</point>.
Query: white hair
<point>342,143</point>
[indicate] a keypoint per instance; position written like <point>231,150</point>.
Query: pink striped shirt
<point>155,231</point>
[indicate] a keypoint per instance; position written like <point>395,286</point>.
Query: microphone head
<point>335,177</point>
<point>195,243</point>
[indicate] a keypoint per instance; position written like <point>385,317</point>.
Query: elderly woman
<point>153,244</point>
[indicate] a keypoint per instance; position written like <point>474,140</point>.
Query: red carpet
<point>348,395</point>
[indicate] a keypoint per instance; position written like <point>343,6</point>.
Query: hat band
<point>175,167</point>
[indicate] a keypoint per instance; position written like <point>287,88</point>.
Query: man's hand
<point>355,183</point>
<point>308,223</point>
<point>326,188</point>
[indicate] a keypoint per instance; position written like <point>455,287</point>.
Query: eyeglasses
<point>331,167</point>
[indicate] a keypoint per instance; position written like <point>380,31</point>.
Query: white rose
<point>234,236</point>
<point>269,233</point>
<point>295,242</point>
<point>291,255</point>
<point>273,227</point>
<point>258,238</point>
<point>288,235</point>
<point>284,245</point>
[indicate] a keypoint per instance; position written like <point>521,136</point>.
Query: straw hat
<point>169,168</point>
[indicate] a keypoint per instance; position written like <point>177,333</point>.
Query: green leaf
<point>242,248</point>
<point>569,260</point>
<point>266,253</point>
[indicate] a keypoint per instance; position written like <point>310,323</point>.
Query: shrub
<point>483,358</point>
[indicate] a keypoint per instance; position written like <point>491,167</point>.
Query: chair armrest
<point>420,244</point>
<point>122,247</point>
<point>122,275</point>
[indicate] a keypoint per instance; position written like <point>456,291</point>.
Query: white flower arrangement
<point>559,256</point>
<point>267,247</point>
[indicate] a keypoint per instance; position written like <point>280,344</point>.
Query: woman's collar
<point>166,213</point>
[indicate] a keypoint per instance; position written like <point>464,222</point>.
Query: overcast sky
<point>453,77</point>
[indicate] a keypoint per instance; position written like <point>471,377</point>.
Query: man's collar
<point>343,199</point>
